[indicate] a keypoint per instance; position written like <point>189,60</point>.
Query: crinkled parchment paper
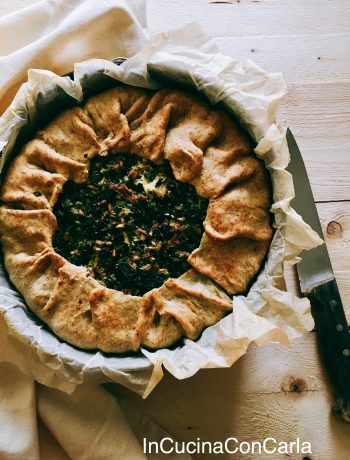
<point>267,314</point>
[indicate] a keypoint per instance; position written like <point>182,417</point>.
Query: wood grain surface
<point>273,391</point>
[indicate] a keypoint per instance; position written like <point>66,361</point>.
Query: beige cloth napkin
<point>53,34</point>
<point>89,424</point>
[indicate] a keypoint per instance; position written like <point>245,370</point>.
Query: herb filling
<point>133,225</point>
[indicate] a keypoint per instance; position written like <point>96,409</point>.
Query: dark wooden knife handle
<point>334,340</point>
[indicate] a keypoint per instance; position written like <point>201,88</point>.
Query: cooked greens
<point>133,224</point>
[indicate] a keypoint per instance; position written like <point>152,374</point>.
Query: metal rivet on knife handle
<point>346,352</point>
<point>340,327</point>
<point>333,303</point>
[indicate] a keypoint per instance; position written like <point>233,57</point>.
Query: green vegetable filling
<point>133,225</point>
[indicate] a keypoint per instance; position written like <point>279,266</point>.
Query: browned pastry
<point>206,148</point>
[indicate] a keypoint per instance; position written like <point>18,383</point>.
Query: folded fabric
<point>54,34</point>
<point>18,428</point>
<point>89,424</point>
<point>92,416</point>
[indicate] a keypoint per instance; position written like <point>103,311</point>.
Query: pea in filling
<point>133,224</point>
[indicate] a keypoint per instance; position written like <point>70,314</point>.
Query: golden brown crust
<point>71,134</point>
<point>194,300</point>
<point>204,147</point>
<point>232,264</point>
<point>156,330</point>
<point>242,211</point>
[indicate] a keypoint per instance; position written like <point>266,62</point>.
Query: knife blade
<point>318,283</point>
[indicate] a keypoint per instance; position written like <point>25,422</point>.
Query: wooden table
<point>273,391</point>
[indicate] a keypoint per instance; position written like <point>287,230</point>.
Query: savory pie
<point>130,220</point>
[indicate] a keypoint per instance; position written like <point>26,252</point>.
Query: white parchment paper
<point>267,314</point>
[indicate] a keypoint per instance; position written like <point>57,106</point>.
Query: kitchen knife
<point>317,282</point>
